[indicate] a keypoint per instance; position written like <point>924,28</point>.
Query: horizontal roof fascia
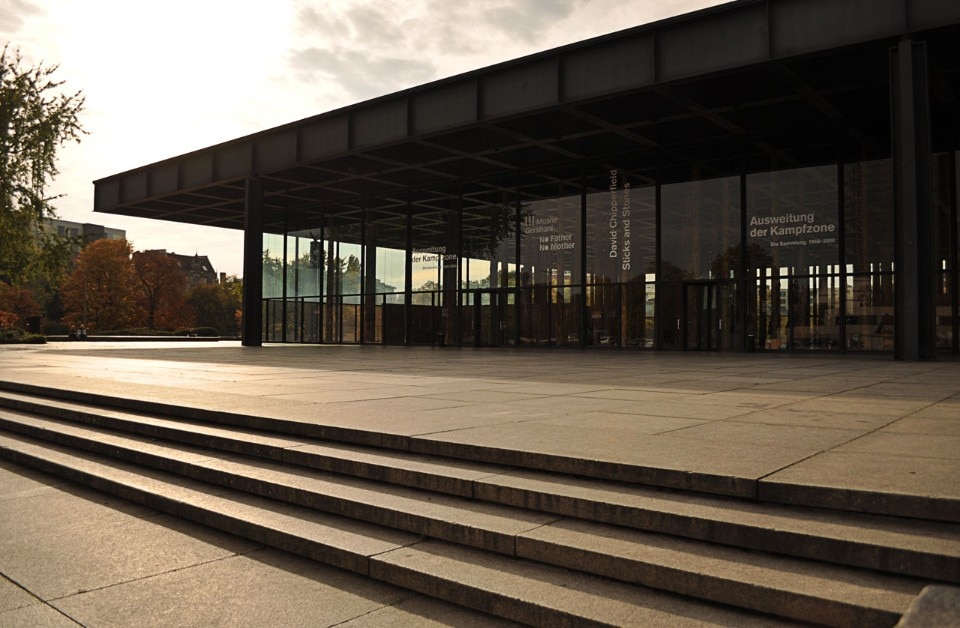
<point>725,37</point>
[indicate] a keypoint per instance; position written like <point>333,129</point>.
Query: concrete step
<point>818,496</point>
<point>443,475</point>
<point>908,547</point>
<point>508,587</point>
<point>801,590</point>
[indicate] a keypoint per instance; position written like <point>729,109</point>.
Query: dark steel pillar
<point>914,323</point>
<point>253,265</point>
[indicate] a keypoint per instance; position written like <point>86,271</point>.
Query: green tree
<point>36,119</point>
<point>101,293</point>
<point>217,306</point>
<point>233,286</point>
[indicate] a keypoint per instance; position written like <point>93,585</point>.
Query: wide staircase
<point>536,541</point>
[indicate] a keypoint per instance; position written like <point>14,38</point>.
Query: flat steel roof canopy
<point>753,84</point>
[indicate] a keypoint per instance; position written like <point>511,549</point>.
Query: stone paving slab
<point>13,596</point>
<point>82,547</point>
<point>724,467</point>
<point>37,616</point>
<point>260,588</point>
<point>921,425</point>
<point>907,484</point>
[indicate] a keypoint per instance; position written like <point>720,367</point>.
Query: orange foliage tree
<point>18,303</point>
<point>100,292</point>
<point>161,291</point>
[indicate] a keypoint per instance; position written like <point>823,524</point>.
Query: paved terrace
<point>732,420</point>
<point>69,554</point>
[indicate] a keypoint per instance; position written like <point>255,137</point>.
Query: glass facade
<point>793,250</point>
<point>796,259</point>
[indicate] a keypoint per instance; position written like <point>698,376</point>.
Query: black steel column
<point>252,308</point>
<point>582,278</point>
<point>408,278</point>
<point>745,284</point>
<point>914,323</point>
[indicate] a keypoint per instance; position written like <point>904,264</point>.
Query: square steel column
<point>915,331</point>
<point>252,308</point>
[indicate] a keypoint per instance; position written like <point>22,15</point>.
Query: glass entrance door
<point>708,311</point>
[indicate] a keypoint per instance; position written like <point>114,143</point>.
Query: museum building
<point>764,175</point>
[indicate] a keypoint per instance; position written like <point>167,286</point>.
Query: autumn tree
<point>216,306</point>
<point>18,303</point>
<point>36,119</point>
<point>161,291</point>
<point>101,291</point>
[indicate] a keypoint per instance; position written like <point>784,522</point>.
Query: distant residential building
<point>197,268</point>
<point>84,232</point>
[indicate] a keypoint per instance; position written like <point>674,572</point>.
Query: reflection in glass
<point>701,229</point>
<point>945,251</point>
<point>550,242</point>
<point>488,274</point>
<point>435,248</point>
<point>792,220</point>
<point>797,312</point>
<point>621,231</point>
<point>272,265</point>
<point>945,316</point>
<point>603,309</point>
<point>869,319</point>
<point>550,271</point>
<point>868,211</point>
<point>637,312</point>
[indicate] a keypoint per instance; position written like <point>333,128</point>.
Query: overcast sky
<point>165,78</point>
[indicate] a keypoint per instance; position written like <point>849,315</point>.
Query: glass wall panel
<point>868,216</point>
<point>272,276</point>
<point>550,242</point>
<point>869,246</point>
<point>567,315</point>
<point>701,229</point>
<point>797,312</point>
<point>489,246</point>
<point>869,319</point>
<point>273,320</point>
<point>435,250</point>
<point>637,312</point>
<point>550,271</point>
<point>603,309</point>
<point>945,249</point>
<point>550,315</point>
<point>621,237</point>
<point>621,231</point>
<point>955,272</point>
<point>385,260</point>
<point>792,220</point>
<point>700,256</point>
<point>342,280</point>
<point>488,273</point>
<point>536,325</point>
<point>793,255</point>
<point>293,329</point>
<point>945,307</point>
<point>272,265</point>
